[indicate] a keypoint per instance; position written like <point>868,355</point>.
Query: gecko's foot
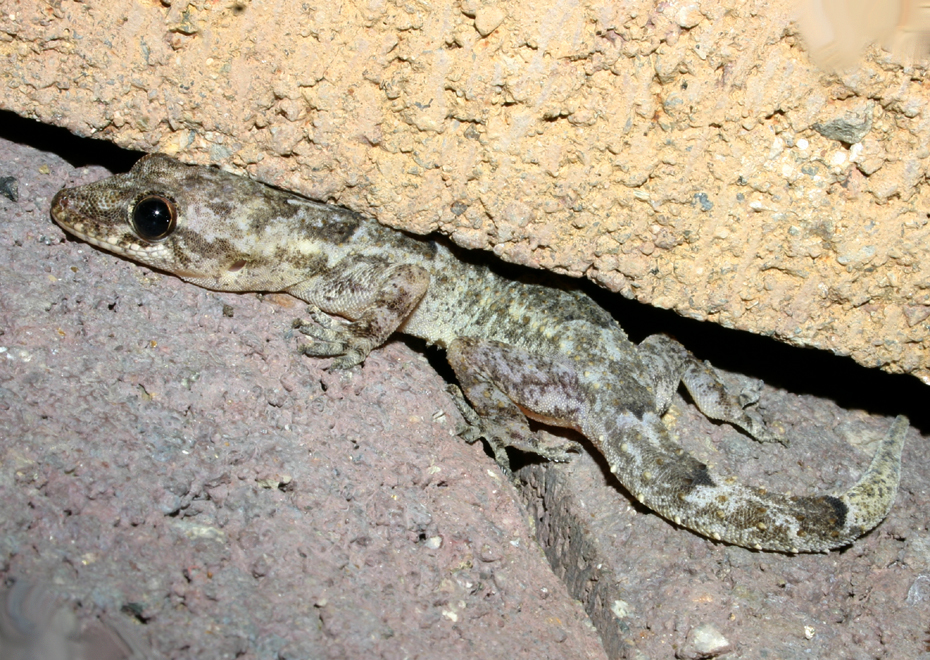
<point>323,328</point>
<point>346,359</point>
<point>503,431</point>
<point>556,449</point>
<point>762,432</point>
<point>331,338</point>
<point>470,429</point>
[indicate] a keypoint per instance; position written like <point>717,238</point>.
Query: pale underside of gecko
<point>520,348</point>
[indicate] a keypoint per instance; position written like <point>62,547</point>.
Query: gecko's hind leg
<point>473,429</point>
<point>505,384</point>
<point>673,363</point>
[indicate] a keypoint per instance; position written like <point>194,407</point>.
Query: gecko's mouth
<point>78,224</point>
<point>60,208</point>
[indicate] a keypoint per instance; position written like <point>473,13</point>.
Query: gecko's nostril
<point>60,199</point>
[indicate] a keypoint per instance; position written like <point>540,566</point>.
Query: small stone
<point>848,128</point>
<point>705,641</point>
<point>9,188</point>
<point>489,19</point>
<point>260,567</point>
<point>688,16</point>
<point>621,609</point>
<point>915,314</point>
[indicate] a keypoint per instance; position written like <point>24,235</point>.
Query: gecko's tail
<point>681,488</point>
<point>870,500</point>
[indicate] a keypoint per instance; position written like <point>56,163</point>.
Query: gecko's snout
<point>60,206</point>
<point>60,200</point>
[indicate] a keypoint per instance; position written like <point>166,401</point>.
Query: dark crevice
<point>798,370</point>
<point>78,151</point>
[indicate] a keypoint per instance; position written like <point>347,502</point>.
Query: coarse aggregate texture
<point>685,154</point>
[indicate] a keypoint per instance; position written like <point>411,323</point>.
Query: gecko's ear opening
<point>154,218</point>
<point>237,266</point>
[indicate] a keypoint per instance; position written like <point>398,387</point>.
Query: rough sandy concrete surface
<point>181,473</point>
<point>684,153</point>
<point>170,465</point>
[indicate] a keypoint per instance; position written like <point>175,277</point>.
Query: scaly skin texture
<point>519,348</point>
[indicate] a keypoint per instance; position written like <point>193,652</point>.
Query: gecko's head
<point>198,223</point>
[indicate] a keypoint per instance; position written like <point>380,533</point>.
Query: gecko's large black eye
<point>154,218</point>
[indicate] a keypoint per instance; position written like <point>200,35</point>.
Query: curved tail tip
<point>870,500</point>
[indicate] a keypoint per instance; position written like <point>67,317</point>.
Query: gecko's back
<point>229,233</point>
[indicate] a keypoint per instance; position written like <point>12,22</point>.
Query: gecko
<point>524,348</point>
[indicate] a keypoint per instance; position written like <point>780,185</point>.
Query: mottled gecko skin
<point>519,349</point>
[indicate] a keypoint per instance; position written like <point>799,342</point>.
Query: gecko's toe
<point>351,359</point>
<point>324,349</point>
<point>321,334</point>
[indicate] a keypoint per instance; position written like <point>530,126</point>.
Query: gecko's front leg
<point>374,296</point>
